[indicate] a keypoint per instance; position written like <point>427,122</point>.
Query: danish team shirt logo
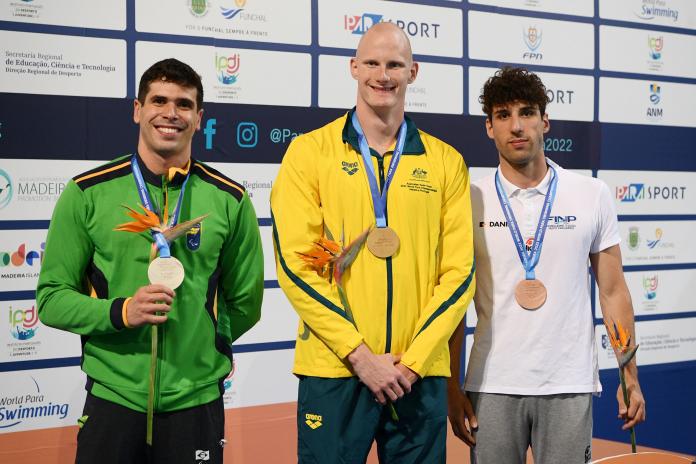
<point>227,68</point>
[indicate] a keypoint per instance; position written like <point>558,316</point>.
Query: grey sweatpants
<point>557,427</point>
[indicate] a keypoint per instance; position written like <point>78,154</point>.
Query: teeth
<point>167,130</point>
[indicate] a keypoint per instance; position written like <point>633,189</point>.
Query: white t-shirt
<point>550,350</point>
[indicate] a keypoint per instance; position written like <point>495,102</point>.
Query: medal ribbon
<point>529,261</point>
<point>379,200</point>
<point>160,241</point>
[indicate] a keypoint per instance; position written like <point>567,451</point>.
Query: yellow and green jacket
<point>407,304</point>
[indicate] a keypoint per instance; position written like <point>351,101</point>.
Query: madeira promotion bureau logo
<point>23,323</point>
<point>360,24</point>
<point>5,189</point>
<point>227,68</point>
<point>532,39</point>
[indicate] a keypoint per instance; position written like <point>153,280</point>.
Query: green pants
<point>338,419</point>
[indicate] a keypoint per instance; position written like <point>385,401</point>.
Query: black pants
<point>114,434</point>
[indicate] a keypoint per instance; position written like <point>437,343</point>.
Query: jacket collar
<point>413,145</point>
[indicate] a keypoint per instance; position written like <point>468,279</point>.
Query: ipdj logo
<point>5,189</point>
<point>655,45</point>
<point>230,13</point>
<point>532,39</point>
<point>247,134</point>
<point>21,256</point>
<point>23,323</point>
<point>227,68</point>
<point>650,286</point>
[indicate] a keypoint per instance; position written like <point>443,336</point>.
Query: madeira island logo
<point>532,39</point>
<point>227,68</point>
<point>650,287</point>
<point>199,8</point>
<point>5,189</point>
<point>230,13</point>
<point>350,168</point>
<point>23,323</point>
<point>313,421</point>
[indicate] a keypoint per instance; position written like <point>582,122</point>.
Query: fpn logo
<point>227,68</point>
<point>5,189</point>
<point>532,39</point>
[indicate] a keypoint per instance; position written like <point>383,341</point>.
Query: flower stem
<point>626,402</point>
<point>151,389</point>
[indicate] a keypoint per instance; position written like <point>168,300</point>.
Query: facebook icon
<point>209,131</point>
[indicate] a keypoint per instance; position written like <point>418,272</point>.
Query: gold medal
<point>383,242</point>
<point>166,271</point>
<point>530,294</point>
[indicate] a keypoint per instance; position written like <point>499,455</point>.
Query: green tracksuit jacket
<point>89,271</point>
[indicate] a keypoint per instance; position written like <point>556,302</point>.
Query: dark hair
<point>509,85</point>
<point>171,70</point>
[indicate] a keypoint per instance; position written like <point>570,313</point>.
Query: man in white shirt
<point>533,366</point>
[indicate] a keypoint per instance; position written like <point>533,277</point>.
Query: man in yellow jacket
<point>371,352</point>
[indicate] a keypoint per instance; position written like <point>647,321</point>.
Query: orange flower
<point>323,253</point>
<point>619,337</point>
<point>142,222</point>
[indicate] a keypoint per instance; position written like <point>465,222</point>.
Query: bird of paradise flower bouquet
<point>620,340</point>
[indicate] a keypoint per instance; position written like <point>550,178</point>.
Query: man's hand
<point>410,375</point>
<point>147,302</point>
<point>461,414</point>
<point>378,373</point>
<point>635,414</point>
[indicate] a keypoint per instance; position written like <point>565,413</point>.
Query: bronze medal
<point>383,242</point>
<point>166,271</point>
<point>530,294</point>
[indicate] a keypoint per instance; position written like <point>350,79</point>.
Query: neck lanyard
<point>160,240</point>
<point>379,200</point>
<point>529,261</point>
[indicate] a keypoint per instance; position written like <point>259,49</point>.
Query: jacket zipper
<point>388,261</point>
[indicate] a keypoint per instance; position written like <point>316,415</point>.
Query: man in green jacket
<point>123,236</point>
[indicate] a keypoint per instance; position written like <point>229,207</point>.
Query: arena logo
<point>360,24</point>
<point>532,39</point>
<point>5,189</point>
<point>27,405</point>
<point>23,323</point>
<point>651,9</point>
<point>227,68</point>
<point>650,287</point>
<point>632,193</point>
<point>653,112</point>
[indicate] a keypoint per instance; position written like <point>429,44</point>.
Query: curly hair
<point>171,70</point>
<point>509,85</point>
